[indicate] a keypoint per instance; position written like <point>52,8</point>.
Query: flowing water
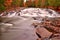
<point>17,25</point>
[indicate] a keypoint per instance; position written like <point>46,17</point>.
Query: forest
<point>6,4</point>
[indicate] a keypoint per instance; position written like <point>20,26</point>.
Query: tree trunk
<point>24,3</point>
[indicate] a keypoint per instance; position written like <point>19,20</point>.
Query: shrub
<point>2,8</point>
<point>21,3</point>
<point>2,2</point>
<point>57,3</point>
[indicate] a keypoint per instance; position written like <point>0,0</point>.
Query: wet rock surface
<point>48,29</point>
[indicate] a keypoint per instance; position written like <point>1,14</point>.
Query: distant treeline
<point>36,3</point>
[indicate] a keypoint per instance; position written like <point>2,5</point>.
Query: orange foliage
<point>8,3</point>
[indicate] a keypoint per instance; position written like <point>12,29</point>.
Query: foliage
<point>51,2</point>
<point>21,2</point>
<point>39,3</point>
<point>2,8</point>
<point>15,2</point>
<point>32,4</point>
<point>2,2</point>
<point>46,3</point>
<point>57,3</point>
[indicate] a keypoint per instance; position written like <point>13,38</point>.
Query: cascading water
<point>36,13</point>
<point>33,12</point>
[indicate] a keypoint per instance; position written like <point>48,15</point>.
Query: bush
<point>15,2</point>
<point>32,4</point>
<point>51,2</point>
<point>57,3</point>
<point>39,3</point>
<point>2,8</point>
<point>2,2</point>
<point>21,3</point>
